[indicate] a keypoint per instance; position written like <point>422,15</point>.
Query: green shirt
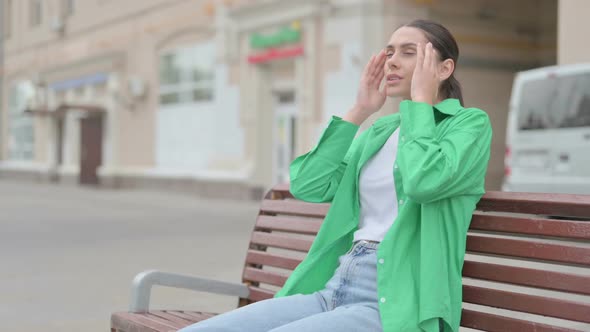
<point>439,175</point>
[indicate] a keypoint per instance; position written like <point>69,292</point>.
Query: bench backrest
<point>528,256</point>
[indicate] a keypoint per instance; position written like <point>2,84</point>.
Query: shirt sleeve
<point>315,176</point>
<point>452,164</point>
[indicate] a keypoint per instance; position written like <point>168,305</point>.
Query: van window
<point>555,102</point>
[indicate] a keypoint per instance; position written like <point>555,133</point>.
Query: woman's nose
<point>391,62</point>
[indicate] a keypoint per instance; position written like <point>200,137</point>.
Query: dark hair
<point>444,42</point>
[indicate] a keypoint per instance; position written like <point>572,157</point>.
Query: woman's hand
<point>370,98</point>
<point>425,81</point>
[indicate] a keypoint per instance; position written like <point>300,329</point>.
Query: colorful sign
<point>278,45</point>
<point>286,35</point>
<point>276,54</point>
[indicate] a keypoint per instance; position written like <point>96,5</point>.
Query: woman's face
<point>400,61</point>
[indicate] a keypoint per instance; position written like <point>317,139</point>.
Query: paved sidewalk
<point>68,254</point>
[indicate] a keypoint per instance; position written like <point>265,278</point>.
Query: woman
<point>389,254</point>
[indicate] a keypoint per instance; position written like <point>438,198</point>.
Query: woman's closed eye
<point>405,53</point>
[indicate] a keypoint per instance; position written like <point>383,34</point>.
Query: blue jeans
<point>347,303</point>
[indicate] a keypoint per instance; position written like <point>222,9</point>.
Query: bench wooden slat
<point>534,304</point>
<point>537,203</point>
<point>289,224</point>
<point>280,241</point>
<point>183,315</point>
<point>198,316</point>
<point>294,207</point>
<point>281,190</point>
<point>259,294</point>
<point>268,277</point>
<point>533,226</point>
<point>125,321</point>
<point>264,258</point>
<point>529,249</point>
<point>184,321</point>
<point>551,280</point>
<point>531,203</point>
<point>169,319</point>
<point>490,322</point>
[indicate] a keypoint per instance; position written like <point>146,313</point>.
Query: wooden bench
<point>527,266</point>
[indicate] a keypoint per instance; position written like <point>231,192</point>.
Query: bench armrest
<point>143,282</point>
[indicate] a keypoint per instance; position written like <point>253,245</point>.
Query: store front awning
<point>61,110</point>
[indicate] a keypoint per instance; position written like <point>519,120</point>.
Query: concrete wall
<point>573,31</point>
<point>478,92</point>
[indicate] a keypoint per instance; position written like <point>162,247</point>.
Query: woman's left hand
<point>425,81</point>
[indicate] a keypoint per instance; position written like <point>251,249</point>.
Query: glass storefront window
<point>187,75</point>
<point>20,125</point>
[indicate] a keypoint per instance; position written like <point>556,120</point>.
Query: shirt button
<point>381,261</point>
<point>395,166</point>
<point>382,300</point>
<point>403,138</point>
<point>401,202</point>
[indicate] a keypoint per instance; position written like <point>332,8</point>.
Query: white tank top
<point>378,199</point>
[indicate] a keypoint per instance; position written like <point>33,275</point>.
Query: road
<point>68,254</point>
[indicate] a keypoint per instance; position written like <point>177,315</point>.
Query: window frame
<point>187,86</point>
<point>20,125</point>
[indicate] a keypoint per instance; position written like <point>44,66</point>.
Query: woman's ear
<point>446,69</point>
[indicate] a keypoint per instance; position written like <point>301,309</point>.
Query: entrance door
<point>285,120</point>
<point>90,149</point>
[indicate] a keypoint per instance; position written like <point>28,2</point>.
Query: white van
<point>548,133</point>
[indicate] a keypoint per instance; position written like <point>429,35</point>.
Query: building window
<point>187,75</point>
<point>68,7</point>
<point>7,19</point>
<point>36,12</point>
<point>20,132</point>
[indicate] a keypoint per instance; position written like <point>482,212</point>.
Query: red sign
<point>275,54</point>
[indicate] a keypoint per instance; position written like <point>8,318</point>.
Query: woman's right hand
<point>369,98</point>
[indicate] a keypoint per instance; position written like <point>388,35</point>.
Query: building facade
<point>217,97</point>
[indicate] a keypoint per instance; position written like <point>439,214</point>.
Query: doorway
<point>284,136</point>
<point>90,149</point>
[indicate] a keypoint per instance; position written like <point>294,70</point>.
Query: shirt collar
<point>449,106</point>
